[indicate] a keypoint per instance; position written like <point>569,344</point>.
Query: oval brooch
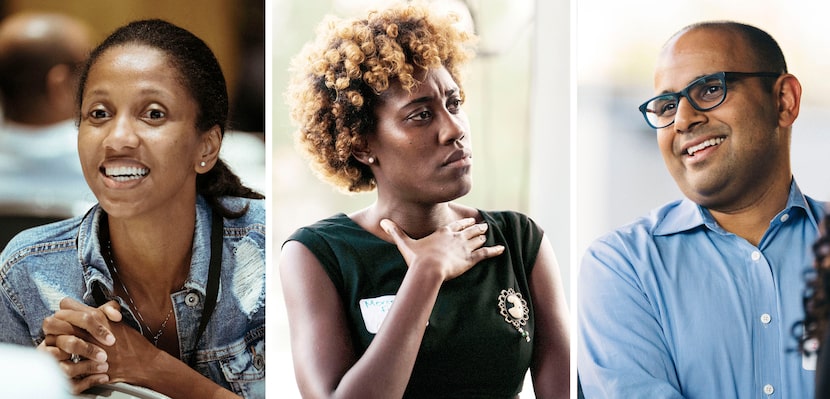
<point>514,310</point>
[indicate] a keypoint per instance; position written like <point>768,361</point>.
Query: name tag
<point>810,357</point>
<point>374,311</point>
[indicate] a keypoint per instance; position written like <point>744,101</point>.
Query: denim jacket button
<point>259,362</point>
<point>192,299</point>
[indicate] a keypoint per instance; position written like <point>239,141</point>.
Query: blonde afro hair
<point>337,79</point>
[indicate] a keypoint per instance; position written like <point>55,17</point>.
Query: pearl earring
<point>202,164</point>
<point>371,159</point>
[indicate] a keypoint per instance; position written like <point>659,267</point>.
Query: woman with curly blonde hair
<point>415,295</point>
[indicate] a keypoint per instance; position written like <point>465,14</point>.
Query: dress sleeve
<point>520,233</point>
<point>312,239</point>
<point>622,352</point>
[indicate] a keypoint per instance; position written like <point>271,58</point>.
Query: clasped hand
<point>91,345</point>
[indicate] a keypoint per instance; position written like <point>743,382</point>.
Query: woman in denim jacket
<point>162,283</point>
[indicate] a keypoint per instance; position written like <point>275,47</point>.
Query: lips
<point>458,155</point>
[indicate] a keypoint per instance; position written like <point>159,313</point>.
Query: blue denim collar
<point>97,274</point>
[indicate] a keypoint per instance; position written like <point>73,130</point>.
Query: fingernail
<point>102,367</point>
<point>109,339</point>
<point>103,379</point>
<point>483,226</point>
<point>101,356</point>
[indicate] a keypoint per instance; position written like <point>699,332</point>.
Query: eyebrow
<point>426,99</point>
<point>687,84</point>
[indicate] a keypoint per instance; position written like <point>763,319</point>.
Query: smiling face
<point>422,143</point>
<point>137,140</point>
<point>725,157</point>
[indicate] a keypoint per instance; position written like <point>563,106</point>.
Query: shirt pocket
<point>242,364</point>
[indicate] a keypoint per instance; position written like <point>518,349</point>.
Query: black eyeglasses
<point>703,94</point>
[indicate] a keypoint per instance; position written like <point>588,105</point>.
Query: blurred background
<point>518,101</point>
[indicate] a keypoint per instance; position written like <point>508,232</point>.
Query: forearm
<point>385,369</point>
<point>172,377</point>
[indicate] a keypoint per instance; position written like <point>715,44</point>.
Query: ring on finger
<point>74,358</point>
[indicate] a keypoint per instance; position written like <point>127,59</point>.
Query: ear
<point>59,84</point>
<point>789,99</point>
<point>363,154</point>
<point>211,143</point>
<point>57,76</point>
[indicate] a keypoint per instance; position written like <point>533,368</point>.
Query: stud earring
<point>371,160</point>
<point>202,164</point>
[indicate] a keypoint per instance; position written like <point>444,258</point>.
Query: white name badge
<point>374,311</point>
<point>810,357</point>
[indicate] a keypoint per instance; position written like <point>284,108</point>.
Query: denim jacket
<point>41,266</point>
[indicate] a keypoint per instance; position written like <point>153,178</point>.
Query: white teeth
<point>124,173</point>
<point>707,143</point>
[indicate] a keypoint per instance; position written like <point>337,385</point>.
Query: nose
<point>687,117</point>
<point>121,134</point>
<point>453,127</point>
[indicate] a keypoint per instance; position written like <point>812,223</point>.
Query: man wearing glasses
<point>700,298</point>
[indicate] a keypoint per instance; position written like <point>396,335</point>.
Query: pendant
<point>514,310</point>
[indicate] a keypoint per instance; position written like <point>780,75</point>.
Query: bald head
<point>39,57</point>
<point>763,51</point>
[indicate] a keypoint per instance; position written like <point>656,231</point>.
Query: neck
<point>152,258</point>
<point>416,220</point>
<point>751,221</point>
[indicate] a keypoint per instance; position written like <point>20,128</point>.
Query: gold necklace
<point>155,337</point>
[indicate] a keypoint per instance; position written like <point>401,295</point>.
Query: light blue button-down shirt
<point>674,306</point>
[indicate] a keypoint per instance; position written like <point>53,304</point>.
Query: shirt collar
<point>688,215</point>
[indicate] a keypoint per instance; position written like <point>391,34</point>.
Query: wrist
<point>427,272</point>
<point>155,370</point>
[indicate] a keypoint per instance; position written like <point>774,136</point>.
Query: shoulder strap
<point>213,275</point>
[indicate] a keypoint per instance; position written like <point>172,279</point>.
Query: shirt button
<point>785,217</point>
<point>766,318</point>
<point>768,389</point>
<point>192,299</point>
<point>756,255</point>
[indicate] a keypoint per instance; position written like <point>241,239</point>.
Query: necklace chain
<point>155,337</point>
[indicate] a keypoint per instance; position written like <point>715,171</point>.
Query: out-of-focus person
<point>40,176</point>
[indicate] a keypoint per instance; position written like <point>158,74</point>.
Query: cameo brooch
<point>514,310</point>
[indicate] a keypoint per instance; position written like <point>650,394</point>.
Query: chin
<point>707,198</point>
<point>458,192</point>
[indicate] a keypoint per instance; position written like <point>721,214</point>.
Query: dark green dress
<point>475,346</point>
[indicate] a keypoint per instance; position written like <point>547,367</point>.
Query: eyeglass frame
<point>723,76</point>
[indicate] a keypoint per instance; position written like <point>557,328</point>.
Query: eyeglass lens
<point>703,94</point>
